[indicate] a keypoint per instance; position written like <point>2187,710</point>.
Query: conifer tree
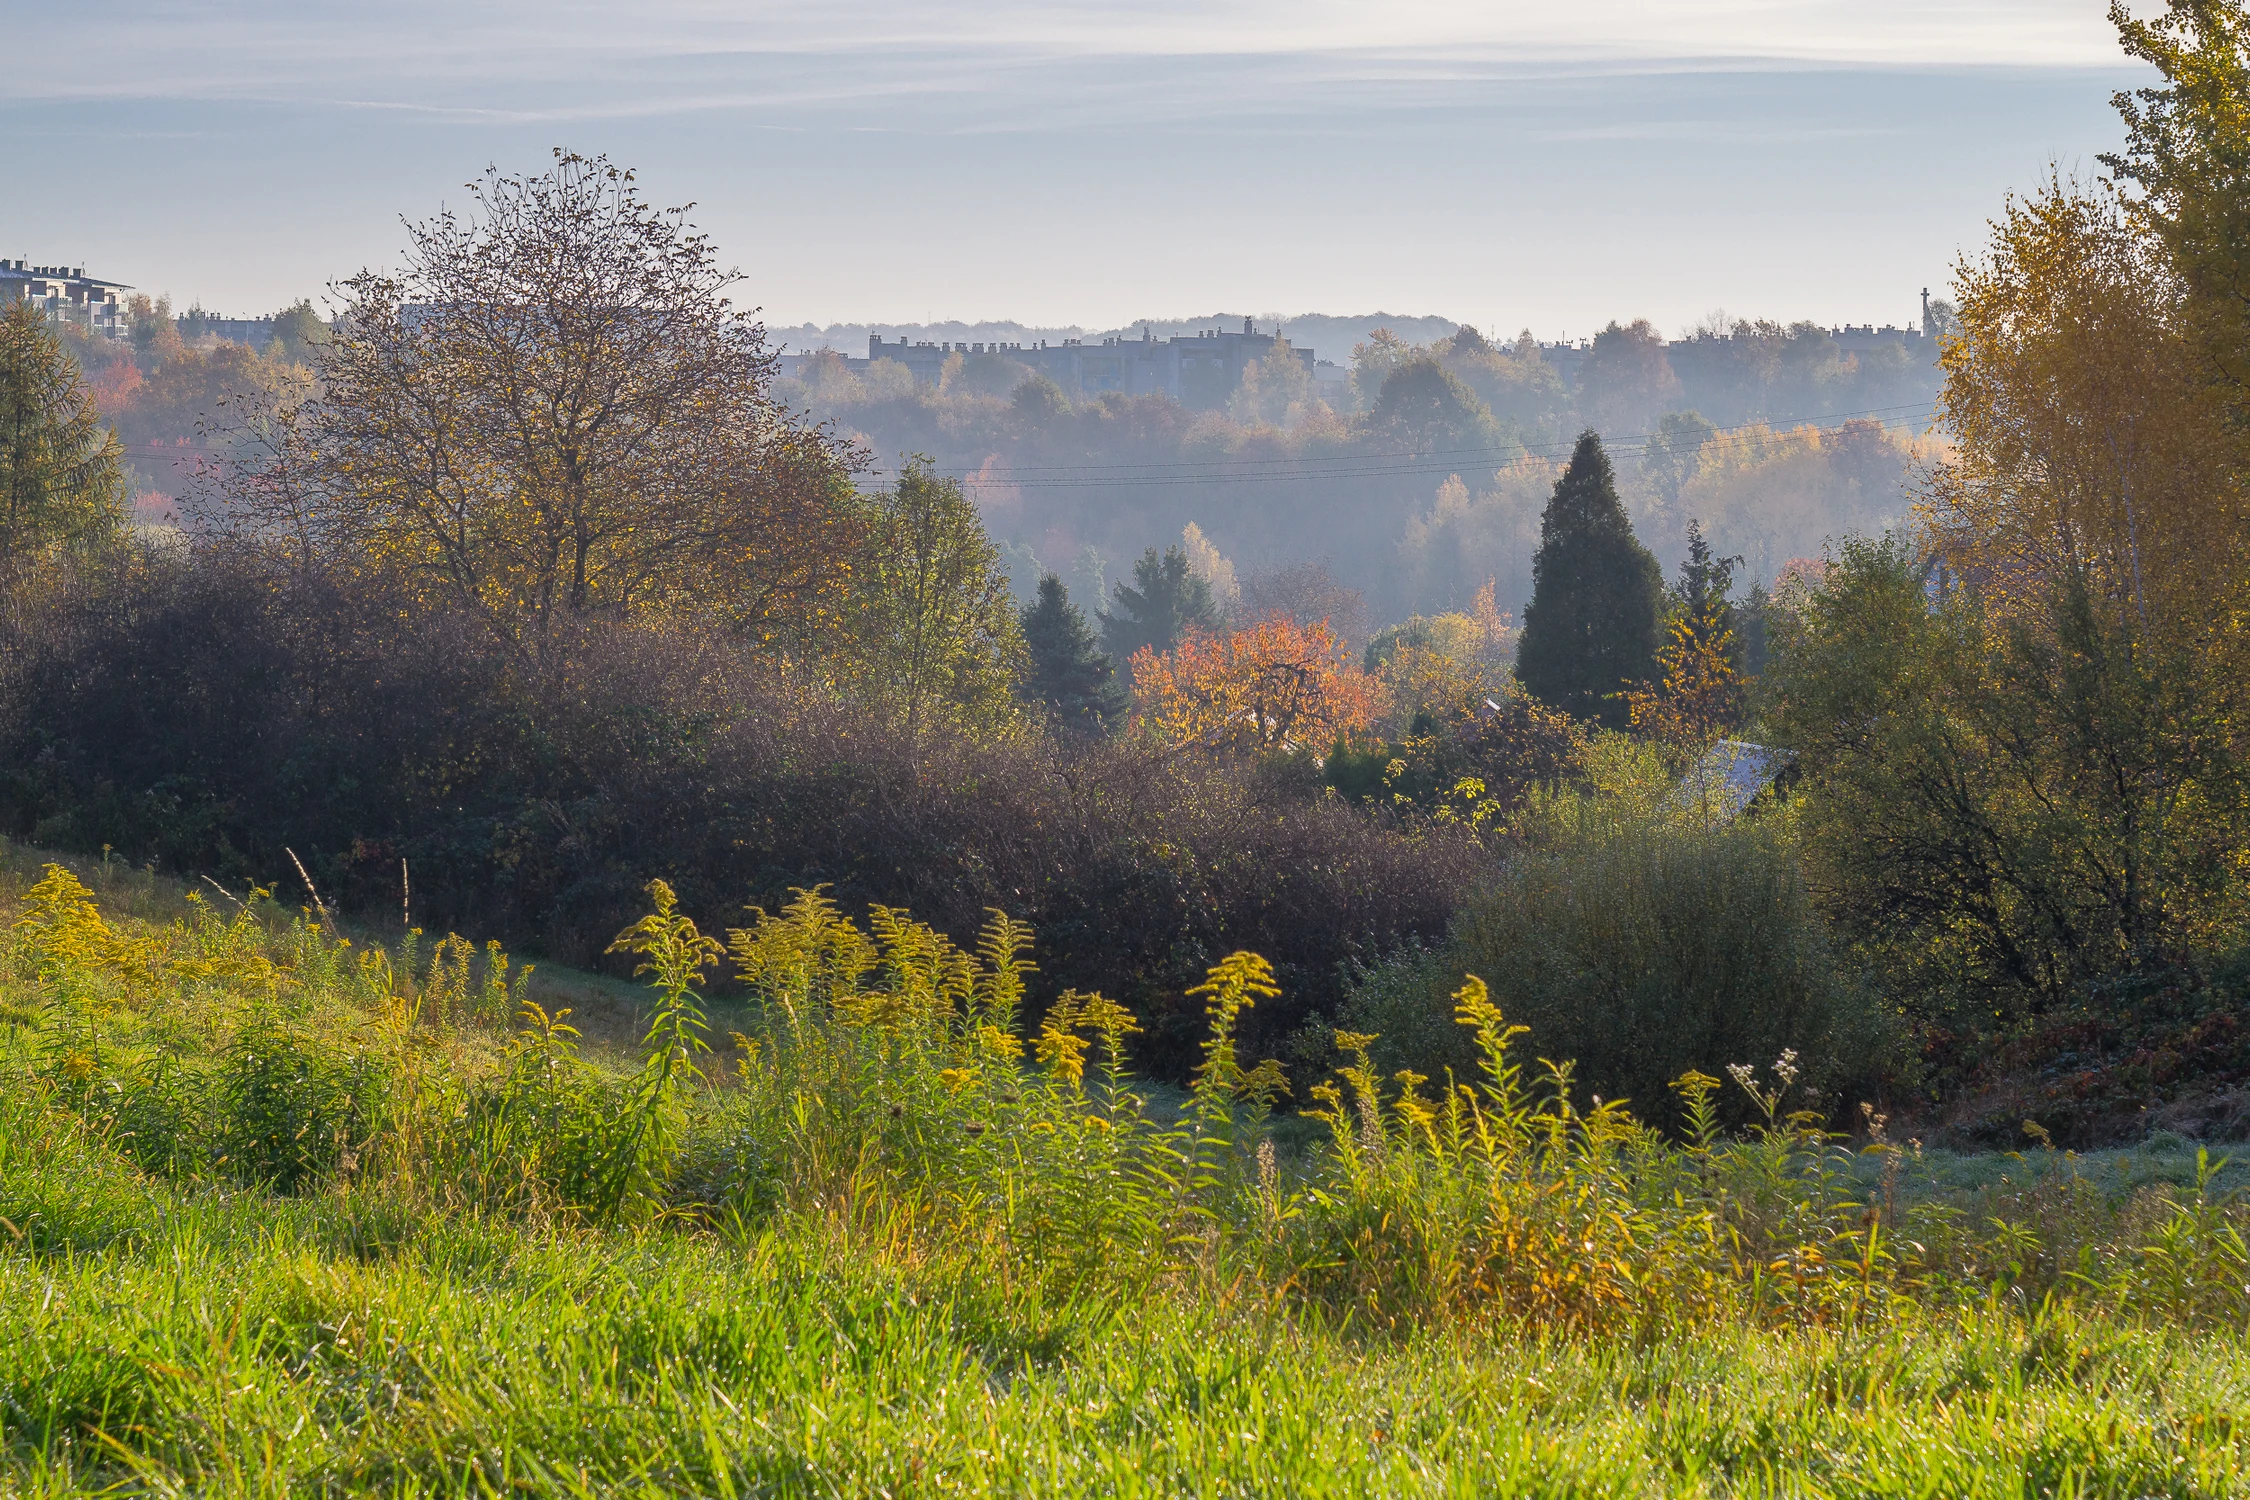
<point>1069,674</point>
<point>1596,614</point>
<point>1166,600</point>
<point>60,477</point>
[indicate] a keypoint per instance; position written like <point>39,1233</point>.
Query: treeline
<point>1426,478</point>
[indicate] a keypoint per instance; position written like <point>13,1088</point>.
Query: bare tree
<point>1305,594</point>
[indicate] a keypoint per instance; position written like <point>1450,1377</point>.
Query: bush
<point>1643,943</point>
<point>190,709</point>
<point>2004,809</point>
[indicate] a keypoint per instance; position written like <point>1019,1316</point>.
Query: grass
<point>879,1245</point>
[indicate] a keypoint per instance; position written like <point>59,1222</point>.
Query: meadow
<point>840,1208</point>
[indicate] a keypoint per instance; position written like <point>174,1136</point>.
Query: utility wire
<point>1303,470</point>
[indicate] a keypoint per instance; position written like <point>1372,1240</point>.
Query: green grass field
<point>278,1218</point>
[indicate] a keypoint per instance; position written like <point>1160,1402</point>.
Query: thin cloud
<point>421,53</point>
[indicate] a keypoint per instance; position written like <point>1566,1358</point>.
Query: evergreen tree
<point>1703,596</point>
<point>60,478</point>
<point>1596,614</point>
<point>1069,674</point>
<point>1166,601</point>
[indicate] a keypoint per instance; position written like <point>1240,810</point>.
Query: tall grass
<point>272,1217</point>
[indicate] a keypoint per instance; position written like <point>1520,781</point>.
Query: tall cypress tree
<point>1597,596</point>
<point>1072,678</point>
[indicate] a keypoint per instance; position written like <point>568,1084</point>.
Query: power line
<point>1300,470</point>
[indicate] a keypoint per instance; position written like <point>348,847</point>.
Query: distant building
<point>1200,371</point>
<point>67,295</point>
<point>256,332</point>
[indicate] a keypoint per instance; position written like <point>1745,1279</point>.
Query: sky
<point>1509,163</point>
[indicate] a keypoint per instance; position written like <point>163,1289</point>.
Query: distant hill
<point>1329,337</point>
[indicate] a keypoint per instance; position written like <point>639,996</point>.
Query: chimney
<point>1246,326</point>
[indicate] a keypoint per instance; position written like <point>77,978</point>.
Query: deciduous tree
<point>2188,149</point>
<point>2087,444</point>
<point>930,625</point>
<point>552,413</point>
<point>1272,686</point>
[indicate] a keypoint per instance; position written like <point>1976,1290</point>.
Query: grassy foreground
<point>279,1216</point>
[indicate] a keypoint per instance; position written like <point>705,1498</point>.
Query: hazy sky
<point>1509,162</point>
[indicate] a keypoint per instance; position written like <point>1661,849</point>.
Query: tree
<point>2187,145</point>
<point>1704,595</point>
<point>1674,451</point>
<point>1302,594</point>
<point>1626,378</point>
<point>1425,408</point>
<point>1166,601</point>
<point>1699,695</point>
<point>1271,386</point>
<point>1208,563</point>
<point>1068,672</point>
<point>1273,686</point>
<point>61,482</point>
<point>2000,808</point>
<point>1037,402</point>
<point>1595,617</point>
<point>1373,362</point>
<point>299,329</point>
<point>930,624</point>
<point>2087,445</point>
<point>552,414</point>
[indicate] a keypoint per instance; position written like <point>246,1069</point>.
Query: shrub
<point>303,716</point>
<point>1643,943</point>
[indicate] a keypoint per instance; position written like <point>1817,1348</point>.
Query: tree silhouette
<point>1069,674</point>
<point>1165,601</point>
<point>1597,597</point>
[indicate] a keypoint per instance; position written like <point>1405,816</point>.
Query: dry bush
<point>190,708</point>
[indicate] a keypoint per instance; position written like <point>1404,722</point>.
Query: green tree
<point>1068,673</point>
<point>2001,806</point>
<point>1037,401</point>
<point>1704,595</point>
<point>298,329</point>
<point>1373,362</point>
<point>1426,408</point>
<point>932,627</point>
<point>61,479</point>
<point>1164,602</point>
<point>2187,145</point>
<point>1674,451</point>
<point>1597,596</point>
<point>1626,378</point>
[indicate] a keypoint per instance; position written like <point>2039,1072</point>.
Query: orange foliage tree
<point>1274,685</point>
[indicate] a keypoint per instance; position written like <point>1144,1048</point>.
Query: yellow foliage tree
<point>2090,447</point>
<point>1700,696</point>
